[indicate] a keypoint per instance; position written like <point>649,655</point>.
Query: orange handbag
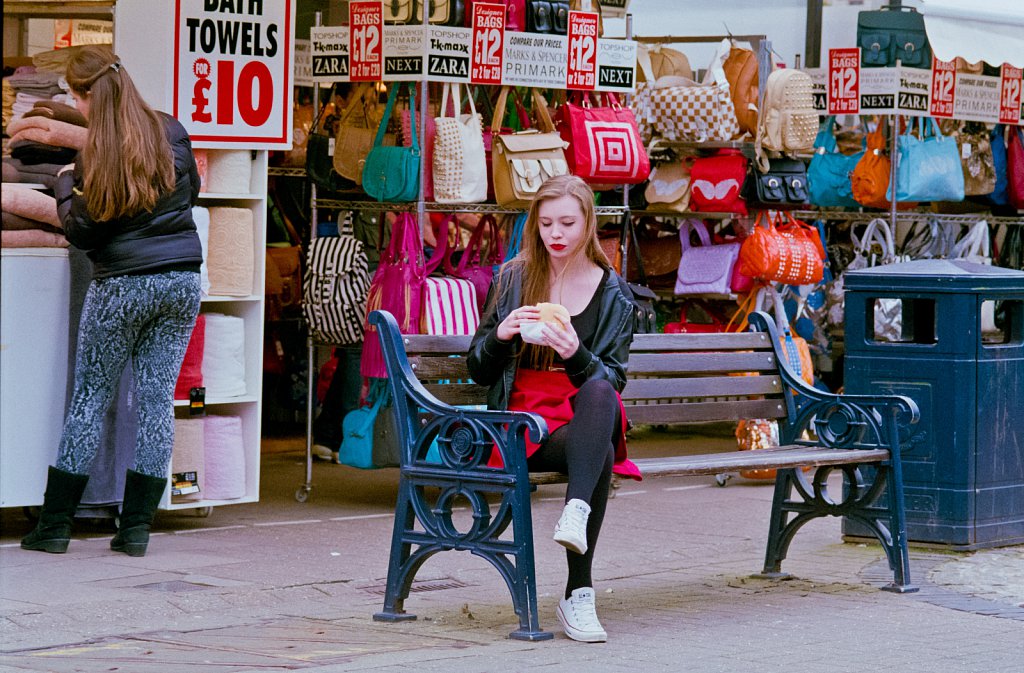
<point>870,178</point>
<point>788,254</point>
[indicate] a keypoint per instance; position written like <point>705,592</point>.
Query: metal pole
<point>812,36</point>
<point>894,159</point>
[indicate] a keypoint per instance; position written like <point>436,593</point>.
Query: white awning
<point>976,30</point>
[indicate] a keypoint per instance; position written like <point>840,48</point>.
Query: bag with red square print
<point>604,143</point>
<point>716,182</point>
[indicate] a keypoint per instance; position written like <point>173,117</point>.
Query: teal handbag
<point>828,176</point>
<point>928,166</point>
<point>357,429</point>
<point>392,174</point>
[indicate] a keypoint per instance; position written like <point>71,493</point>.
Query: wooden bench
<point>672,378</point>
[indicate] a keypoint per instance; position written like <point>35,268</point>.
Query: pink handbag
<point>604,143</point>
<point>473,265</point>
<point>705,269</point>
<point>449,305</point>
<point>1015,166</point>
<point>396,287</point>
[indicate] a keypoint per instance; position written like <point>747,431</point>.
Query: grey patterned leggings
<point>148,318</point>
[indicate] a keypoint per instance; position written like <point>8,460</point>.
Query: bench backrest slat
<point>469,393</point>
<point>697,412</point>
<point>710,386</point>
<point>700,342</point>
<point>689,363</point>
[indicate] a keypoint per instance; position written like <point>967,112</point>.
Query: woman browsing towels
<point>569,370</point>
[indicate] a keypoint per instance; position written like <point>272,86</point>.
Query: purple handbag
<point>472,265</point>
<point>707,268</point>
<point>397,287</point>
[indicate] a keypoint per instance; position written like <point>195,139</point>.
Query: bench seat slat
<point>708,386</point>
<point>667,364</point>
<point>717,463</point>
<point>697,412</point>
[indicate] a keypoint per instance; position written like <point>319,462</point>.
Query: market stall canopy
<point>990,31</point>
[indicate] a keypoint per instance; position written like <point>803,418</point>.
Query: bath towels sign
<point>233,75</point>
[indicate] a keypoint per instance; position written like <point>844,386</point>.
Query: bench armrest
<point>465,437</point>
<point>840,421</point>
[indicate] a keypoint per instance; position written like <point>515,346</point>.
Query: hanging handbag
<point>741,71</point>
<point>1000,195</point>
<point>707,268</point>
<point>668,188</point>
<point>604,143</point>
<point>782,186</point>
<point>334,289</point>
<point>1015,167</point>
<point>828,176</point>
<point>397,287</point>
<point>449,305</point>
<point>680,109</point>
<point>716,183</point>
<point>460,167</point>
<point>392,174</point>
<point>870,178</point>
<point>515,237</point>
<point>473,265</point>
<point>974,147</point>
<point>873,248</point>
<point>547,16</point>
<point>782,254</point>
<point>684,326</point>
<point>523,161</point>
<point>929,166</point>
<point>894,33</point>
<point>426,143</point>
<point>354,137</point>
<point>320,153</point>
<point>645,318</point>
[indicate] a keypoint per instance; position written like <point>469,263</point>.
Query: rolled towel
<point>48,131</point>
<point>201,216</point>
<point>51,109</point>
<point>229,171</point>
<point>191,374</point>
<point>14,222</point>
<point>189,455</point>
<point>224,457</point>
<point>31,152</point>
<point>10,171</point>
<point>230,257</point>
<point>31,204</point>
<point>223,367</point>
<point>32,238</point>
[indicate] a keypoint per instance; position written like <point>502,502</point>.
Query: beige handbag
<point>521,162</point>
<point>354,137</point>
<point>679,109</point>
<point>459,161</point>
<point>668,187</point>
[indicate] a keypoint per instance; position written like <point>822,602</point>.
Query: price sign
<point>366,29</point>
<point>943,88</point>
<point>233,73</point>
<point>1009,95</point>
<point>844,81</point>
<point>582,71</point>
<point>488,43</point>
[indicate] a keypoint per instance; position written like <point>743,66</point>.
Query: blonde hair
<point>533,260</point>
<point>127,162</point>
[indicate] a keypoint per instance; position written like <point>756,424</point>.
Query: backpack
<point>788,121</point>
<point>334,289</point>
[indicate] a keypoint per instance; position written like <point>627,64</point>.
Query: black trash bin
<point>954,342</point>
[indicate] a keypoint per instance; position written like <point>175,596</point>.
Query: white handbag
<point>976,247</point>
<point>460,163</point>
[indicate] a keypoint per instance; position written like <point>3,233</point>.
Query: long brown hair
<point>533,259</point>
<point>126,162</point>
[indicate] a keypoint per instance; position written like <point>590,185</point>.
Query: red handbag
<point>1015,167</point>
<point>684,326</point>
<point>716,181</point>
<point>604,143</point>
<point>397,287</point>
<point>473,265</point>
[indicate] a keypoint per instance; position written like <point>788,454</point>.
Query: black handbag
<point>645,319</point>
<point>319,155</point>
<point>894,33</point>
<point>784,186</point>
<point>547,16</point>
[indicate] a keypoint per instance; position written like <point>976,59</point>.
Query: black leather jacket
<point>493,362</point>
<point>149,241</point>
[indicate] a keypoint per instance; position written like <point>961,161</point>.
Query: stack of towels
<point>213,448</point>
<point>215,358</point>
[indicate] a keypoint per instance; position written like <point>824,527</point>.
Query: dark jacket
<point>493,362</point>
<point>149,241</point>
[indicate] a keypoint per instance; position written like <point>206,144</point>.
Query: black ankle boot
<point>53,530</point>
<point>142,494</point>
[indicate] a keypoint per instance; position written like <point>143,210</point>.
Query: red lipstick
<point>558,246</point>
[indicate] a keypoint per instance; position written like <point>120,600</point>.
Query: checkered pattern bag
<point>677,108</point>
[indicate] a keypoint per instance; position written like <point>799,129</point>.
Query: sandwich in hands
<point>549,313</point>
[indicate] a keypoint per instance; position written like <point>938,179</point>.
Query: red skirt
<point>550,395</point>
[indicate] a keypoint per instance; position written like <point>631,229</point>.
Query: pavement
<point>280,585</point>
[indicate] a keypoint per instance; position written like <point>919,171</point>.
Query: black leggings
<point>584,449</point>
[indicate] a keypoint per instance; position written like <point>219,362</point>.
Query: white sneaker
<point>579,617</point>
<point>321,452</point>
<point>571,529</point>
